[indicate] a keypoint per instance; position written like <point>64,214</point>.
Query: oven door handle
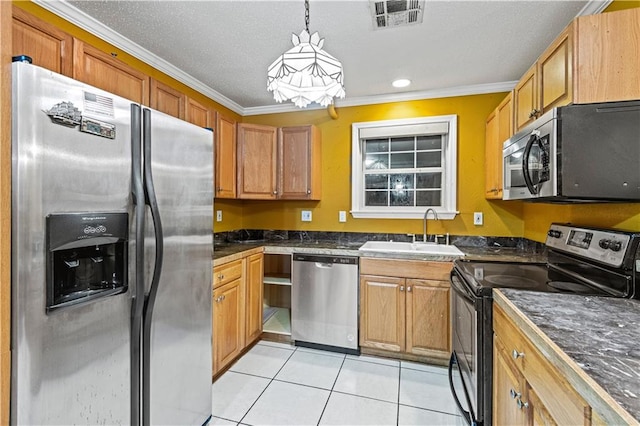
<point>460,288</point>
<point>468,415</point>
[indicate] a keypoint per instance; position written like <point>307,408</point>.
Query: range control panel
<point>605,246</point>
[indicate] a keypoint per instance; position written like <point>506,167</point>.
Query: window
<point>402,167</point>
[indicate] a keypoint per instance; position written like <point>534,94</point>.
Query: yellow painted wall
<point>622,4</point>
<point>500,218</point>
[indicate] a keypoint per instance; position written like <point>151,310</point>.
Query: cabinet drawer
<point>419,269</point>
<point>550,387</point>
<point>226,273</point>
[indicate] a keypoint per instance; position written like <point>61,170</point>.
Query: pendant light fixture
<point>306,73</point>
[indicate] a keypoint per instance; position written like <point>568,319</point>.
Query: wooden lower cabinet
<point>236,307</point>
<point>527,389</point>
<point>403,313</point>
<point>228,323</point>
<point>254,268</point>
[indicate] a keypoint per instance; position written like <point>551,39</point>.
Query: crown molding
<point>86,22</point>
<point>477,89</point>
<point>594,7</point>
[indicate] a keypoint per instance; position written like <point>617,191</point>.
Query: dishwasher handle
<point>326,261</point>
<point>322,265</point>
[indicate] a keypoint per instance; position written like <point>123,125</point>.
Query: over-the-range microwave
<point>576,153</point>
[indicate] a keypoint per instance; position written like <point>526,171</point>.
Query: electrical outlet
<point>306,216</point>
<point>477,218</point>
<point>218,215</point>
<point>342,216</point>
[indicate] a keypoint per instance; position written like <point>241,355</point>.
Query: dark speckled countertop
<point>600,335</point>
<point>509,254</point>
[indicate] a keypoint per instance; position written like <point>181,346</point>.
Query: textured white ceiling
<point>228,45</point>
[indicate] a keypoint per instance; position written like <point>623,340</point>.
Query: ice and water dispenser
<point>86,257</point>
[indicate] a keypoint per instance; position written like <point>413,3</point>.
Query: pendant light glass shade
<point>306,73</point>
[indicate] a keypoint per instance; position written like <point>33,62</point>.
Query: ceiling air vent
<point>396,13</point>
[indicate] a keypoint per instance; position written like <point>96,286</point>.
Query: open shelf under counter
<point>276,320</point>
<point>277,279</point>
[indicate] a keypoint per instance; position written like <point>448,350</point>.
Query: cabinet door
<point>225,157</point>
<point>539,413</point>
<point>198,114</point>
<point>428,318</point>
<point>257,159</point>
<point>299,163</point>
<point>167,99</point>
<point>253,282</point>
<point>608,57</point>
<point>99,69</point>
<point>508,385</point>
<point>555,72</point>
<point>526,99</point>
<point>491,185</point>
<point>228,324</point>
<point>47,46</point>
<point>382,312</point>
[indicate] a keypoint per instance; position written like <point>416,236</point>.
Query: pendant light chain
<point>306,14</point>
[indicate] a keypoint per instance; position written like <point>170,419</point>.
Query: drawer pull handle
<point>514,394</point>
<point>517,354</point>
<point>401,288</point>
<point>409,289</point>
<point>220,277</point>
<point>522,405</point>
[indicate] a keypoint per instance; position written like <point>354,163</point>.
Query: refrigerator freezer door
<point>180,368</point>
<point>70,366</point>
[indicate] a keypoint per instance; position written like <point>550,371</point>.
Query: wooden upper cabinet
<point>555,69</point>
<point>226,141</point>
<point>608,57</point>
<point>99,69</point>
<point>47,46</point>
<point>525,97</point>
<point>198,114</point>
<point>167,99</point>
<point>299,164</point>
<point>499,128</point>
<point>548,83</point>
<point>257,161</point>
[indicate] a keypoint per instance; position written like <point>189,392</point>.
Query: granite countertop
<point>507,254</point>
<point>593,341</point>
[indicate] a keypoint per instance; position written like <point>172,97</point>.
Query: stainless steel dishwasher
<point>324,302</point>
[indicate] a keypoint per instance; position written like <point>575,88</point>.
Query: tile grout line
<point>266,387</point>
<point>399,387</point>
<point>331,390</point>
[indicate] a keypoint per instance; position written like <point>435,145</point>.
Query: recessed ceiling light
<point>403,82</point>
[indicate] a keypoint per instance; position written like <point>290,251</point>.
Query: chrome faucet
<point>424,223</point>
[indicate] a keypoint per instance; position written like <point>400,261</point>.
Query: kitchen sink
<point>414,248</point>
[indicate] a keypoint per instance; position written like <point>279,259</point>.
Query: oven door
<point>464,323</point>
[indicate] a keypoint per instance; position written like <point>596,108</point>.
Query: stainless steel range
<point>581,260</point>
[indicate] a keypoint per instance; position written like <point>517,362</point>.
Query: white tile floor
<point>280,384</point>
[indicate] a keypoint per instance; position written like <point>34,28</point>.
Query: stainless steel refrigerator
<point>111,258</point>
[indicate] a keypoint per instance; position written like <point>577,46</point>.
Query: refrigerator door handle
<point>137,303</point>
<point>151,201</point>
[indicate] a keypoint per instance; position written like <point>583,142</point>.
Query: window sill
<point>372,214</point>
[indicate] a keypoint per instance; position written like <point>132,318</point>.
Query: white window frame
<point>447,211</point>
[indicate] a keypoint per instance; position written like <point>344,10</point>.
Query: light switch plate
<point>306,216</point>
<point>218,215</point>
<point>342,216</point>
<point>477,218</point>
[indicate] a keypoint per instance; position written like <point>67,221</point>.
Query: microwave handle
<point>525,164</point>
